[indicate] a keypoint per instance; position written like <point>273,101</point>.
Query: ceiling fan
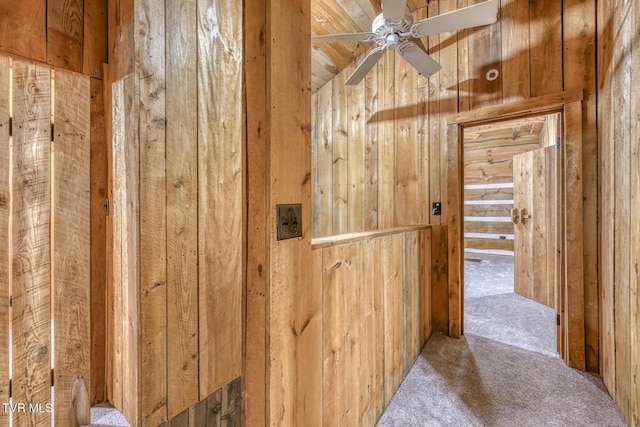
<point>394,29</point>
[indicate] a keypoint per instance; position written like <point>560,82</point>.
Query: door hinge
<point>10,126</point>
<point>106,206</point>
<point>558,142</point>
<point>10,300</point>
<point>52,377</point>
<point>557,319</point>
<point>10,387</point>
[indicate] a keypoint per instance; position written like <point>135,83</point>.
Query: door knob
<point>515,215</point>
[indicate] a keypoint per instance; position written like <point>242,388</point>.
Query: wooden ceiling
<point>341,16</point>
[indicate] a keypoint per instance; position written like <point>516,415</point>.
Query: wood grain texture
<point>23,29</point>
<point>393,302</point>
<point>258,231</point>
<point>488,227</point>
<point>606,173</point>
<point>5,234</point>
<point>291,292</point>
<point>340,156</point>
<point>371,151</point>
<point>485,54</point>
<point>99,164</point>
<point>386,142</point>
<point>65,28</point>
<point>407,146</point>
<point>31,313</point>
<point>453,211</point>
<point>514,17</point>
<point>182,207</point>
<point>574,244</point>
<point>493,244</point>
<point>324,155</point>
<point>356,156</point>
<point>219,192</point>
<point>94,37</point>
<point>622,216</point>
<point>435,177</point>
<point>545,32</point>
<point>342,269</point>
<point>579,32</point>
<point>130,292</point>
<point>371,365</point>
<point>634,292</point>
<point>72,235</point>
<point>153,358</point>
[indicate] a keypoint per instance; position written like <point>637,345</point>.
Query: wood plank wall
<point>619,135</point>
<point>45,237</point>
<point>69,34</point>
<point>72,35</point>
<point>177,209</point>
<point>538,47</point>
<point>376,317</point>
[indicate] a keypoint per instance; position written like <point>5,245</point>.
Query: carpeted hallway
<point>503,372</point>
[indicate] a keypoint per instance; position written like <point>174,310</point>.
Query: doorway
<point>569,252</point>
<point>509,224</point>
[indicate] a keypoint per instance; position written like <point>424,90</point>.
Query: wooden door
<point>535,230</point>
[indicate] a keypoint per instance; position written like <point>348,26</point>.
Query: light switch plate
<point>289,221</point>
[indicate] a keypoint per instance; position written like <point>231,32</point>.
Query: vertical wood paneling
<point>153,215</point>
<point>65,29</point>
<point>622,217</point>
<point>514,19</point>
<point>324,149</point>
<point>392,276</point>
<point>412,284</point>
<point>540,190</point>
<point>117,213</point>
<point>340,153</point>
<point>31,313</point>
<point>452,210</point>
<point>129,315</point>
<point>373,304</point>
<point>182,208</point>
<point>545,32</point>
<point>371,356</point>
<point>425,296</point>
<point>342,271</point>
<point>5,247</point>
<point>94,37</point>
<point>579,32</point>
<point>219,192</point>
<point>386,141</point>
<point>371,151</point>
<point>258,220</point>
<point>606,191</point>
<point>485,54</point>
<point>435,183</point>
<point>98,194</point>
<point>406,198</point>
<point>71,238</point>
<point>356,168</point>
<point>464,84</point>
<point>574,243</point>
<point>634,292</point>
<point>23,29</point>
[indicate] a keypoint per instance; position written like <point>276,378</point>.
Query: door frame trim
<point>571,280</point>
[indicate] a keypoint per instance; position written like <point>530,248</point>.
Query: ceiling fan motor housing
<point>391,34</point>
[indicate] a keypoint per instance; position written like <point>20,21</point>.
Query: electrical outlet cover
<point>289,221</point>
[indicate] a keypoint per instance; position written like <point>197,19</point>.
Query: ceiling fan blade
<point>467,17</point>
<point>349,37</point>
<point>419,59</point>
<point>367,64</point>
<point>394,10</point>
